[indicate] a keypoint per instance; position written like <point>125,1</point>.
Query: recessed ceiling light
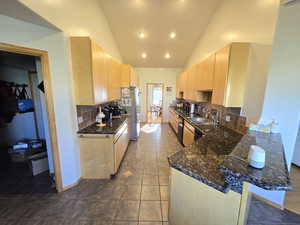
<point>144,55</point>
<point>167,55</point>
<point>173,35</point>
<point>142,35</point>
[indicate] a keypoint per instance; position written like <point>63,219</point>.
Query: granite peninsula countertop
<point>111,127</point>
<point>219,159</point>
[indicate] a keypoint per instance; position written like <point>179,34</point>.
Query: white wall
<point>282,101</point>
<point>256,79</point>
<point>237,21</point>
<point>44,123</point>
<point>166,76</point>
<point>77,18</point>
<point>28,35</point>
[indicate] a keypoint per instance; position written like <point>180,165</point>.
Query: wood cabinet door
<point>184,84</point>
<point>114,72</point>
<point>188,136</point>
<point>126,74</point>
<point>208,68</point>
<point>220,76</point>
<point>191,83</point>
<point>82,70</point>
<point>100,76</point>
<point>120,147</point>
<point>177,86</point>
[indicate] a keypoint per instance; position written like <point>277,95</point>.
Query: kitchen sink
<point>198,119</point>
<point>201,120</point>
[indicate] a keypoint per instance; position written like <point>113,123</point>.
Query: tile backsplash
<point>86,115</point>
<point>227,116</point>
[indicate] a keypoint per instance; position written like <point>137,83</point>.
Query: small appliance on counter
<point>257,157</point>
<point>107,113</point>
<point>192,108</point>
<point>116,111</point>
<point>99,118</point>
<point>187,107</point>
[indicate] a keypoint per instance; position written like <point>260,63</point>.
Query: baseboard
<point>71,185</point>
<point>268,202</point>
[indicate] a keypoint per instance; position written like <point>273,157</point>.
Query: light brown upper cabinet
<point>182,78</point>
<point>90,71</point>
<point>129,76</point>
<point>191,81</point>
<point>220,76</point>
<point>205,73</point>
<point>230,75</point>
<point>177,86</point>
<point>114,79</point>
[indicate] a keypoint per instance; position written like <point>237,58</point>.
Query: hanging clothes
<point>25,103</point>
<point>8,102</point>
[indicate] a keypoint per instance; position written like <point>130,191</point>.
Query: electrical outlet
<point>227,118</point>
<point>80,119</point>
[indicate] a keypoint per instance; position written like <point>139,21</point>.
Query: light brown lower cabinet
<point>188,134</point>
<point>173,120</point>
<point>200,204</point>
<point>101,154</point>
<point>120,145</point>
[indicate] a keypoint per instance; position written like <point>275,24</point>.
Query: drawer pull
<point>101,137</point>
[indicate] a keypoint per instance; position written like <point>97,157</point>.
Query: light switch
<point>227,118</point>
<point>80,119</point>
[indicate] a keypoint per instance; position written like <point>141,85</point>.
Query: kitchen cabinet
<point>182,84</point>
<point>129,76</point>
<point>231,68</point>
<point>177,86</point>
<point>173,120</point>
<point>219,79</point>
<point>215,207</point>
<point>191,81</point>
<point>205,74</point>
<point>121,140</point>
<point>114,79</point>
<point>90,71</point>
<point>188,134</point>
<point>101,154</point>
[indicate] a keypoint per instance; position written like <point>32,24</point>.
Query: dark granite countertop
<point>111,127</point>
<point>219,159</point>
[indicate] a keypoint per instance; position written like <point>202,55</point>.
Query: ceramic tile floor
<point>138,195</point>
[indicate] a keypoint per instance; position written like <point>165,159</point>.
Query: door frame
<point>48,99</point>
<point>162,85</point>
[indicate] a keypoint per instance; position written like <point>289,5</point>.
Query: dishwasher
<point>180,130</point>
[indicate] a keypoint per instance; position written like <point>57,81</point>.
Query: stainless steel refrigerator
<point>130,101</point>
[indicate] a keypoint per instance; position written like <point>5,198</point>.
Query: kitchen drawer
<point>120,147</point>
<point>120,131</point>
<point>188,136</point>
<point>189,126</point>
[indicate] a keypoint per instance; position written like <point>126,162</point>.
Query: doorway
<point>155,102</point>
<point>28,147</point>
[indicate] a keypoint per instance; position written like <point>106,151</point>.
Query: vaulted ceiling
<point>17,10</point>
<point>157,19</point>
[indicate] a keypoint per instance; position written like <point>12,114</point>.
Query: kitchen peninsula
<point>209,181</point>
<point>102,148</point>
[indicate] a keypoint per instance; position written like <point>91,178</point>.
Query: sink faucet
<point>215,117</point>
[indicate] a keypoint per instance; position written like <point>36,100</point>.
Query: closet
<point>25,147</point>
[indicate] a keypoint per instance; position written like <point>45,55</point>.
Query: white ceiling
<point>17,10</point>
<point>158,18</point>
